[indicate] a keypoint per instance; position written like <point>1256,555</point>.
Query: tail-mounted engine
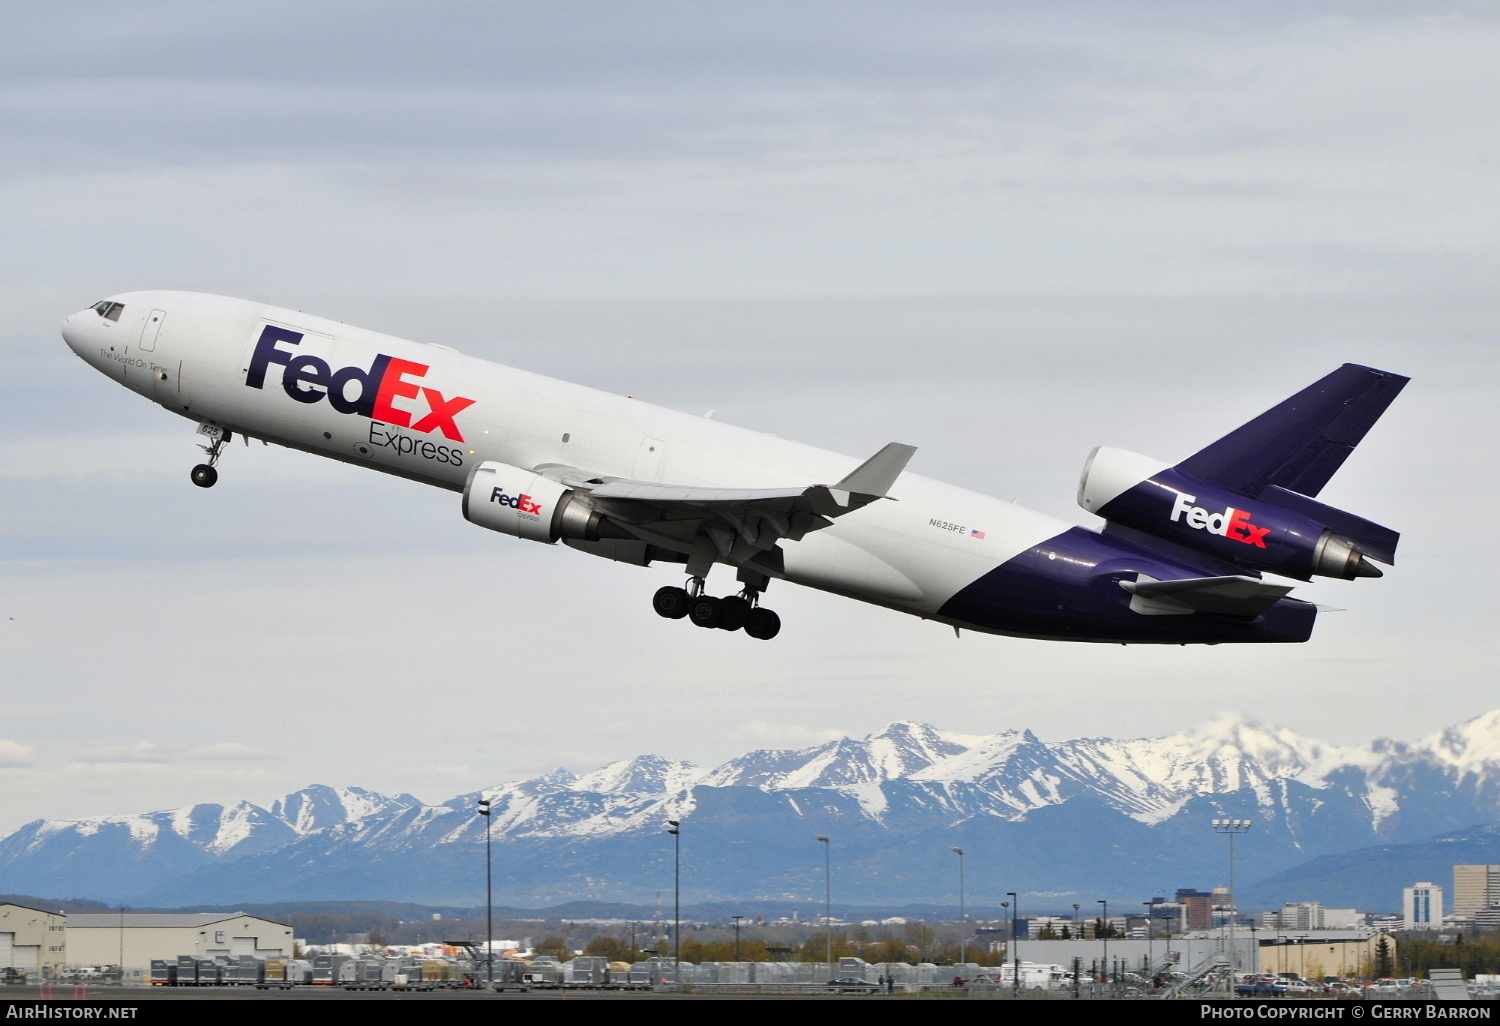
<point>1247,498</point>
<point>1278,531</point>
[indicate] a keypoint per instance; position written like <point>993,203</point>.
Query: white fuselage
<point>195,355</point>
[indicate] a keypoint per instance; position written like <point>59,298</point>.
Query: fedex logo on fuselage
<point>520,503</point>
<point>1233,524</point>
<point>308,379</point>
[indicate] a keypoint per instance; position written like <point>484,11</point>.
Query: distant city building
<point>1164,917</point>
<point>1223,906</point>
<point>1343,919</point>
<point>1422,906</point>
<point>1160,917</point>
<point>1295,915</point>
<point>1197,908</point>
<point>1475,888</point>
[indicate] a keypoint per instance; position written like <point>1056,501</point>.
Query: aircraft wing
<point>741,526</point>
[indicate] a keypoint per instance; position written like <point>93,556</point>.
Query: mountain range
<point>1057,822</point>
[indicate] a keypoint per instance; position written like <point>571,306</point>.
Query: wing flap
<point>648,491</point>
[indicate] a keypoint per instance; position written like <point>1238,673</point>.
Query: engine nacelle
<point>524,504</point>
<point>1281,532</point>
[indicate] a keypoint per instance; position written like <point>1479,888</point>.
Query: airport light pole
<point>674,828</point>
<point>963,919</point>
<point>1104,932</point>
<point>489,896</point>
<point>827,897</point>
<point>1015,943</point>
<point>1010,939</point>
<point>736,936</point>
<point>1232,828</point>
<point>1150,951</point>
<point>1077,933</point>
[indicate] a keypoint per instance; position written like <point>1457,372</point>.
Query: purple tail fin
<point>1298,444</point>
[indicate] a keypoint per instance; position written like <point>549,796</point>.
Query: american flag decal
<point>978,534</point>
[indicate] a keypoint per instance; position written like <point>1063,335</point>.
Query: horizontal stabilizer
<point>1228,596</point>
<point>1299,443</point>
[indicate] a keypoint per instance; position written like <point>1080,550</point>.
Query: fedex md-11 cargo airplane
<point>1179,559</point>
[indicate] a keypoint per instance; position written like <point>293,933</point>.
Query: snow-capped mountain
<point>899,750</point>
<point>1083,814</point>
<point>318,807</point>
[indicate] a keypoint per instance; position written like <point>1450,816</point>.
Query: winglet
<point>876,475</point>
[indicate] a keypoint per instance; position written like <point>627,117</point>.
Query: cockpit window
<point>109,311</point>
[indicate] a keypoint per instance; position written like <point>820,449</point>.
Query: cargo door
<point>151,329</point>
<point>166,374</point>
<point>7,949</point>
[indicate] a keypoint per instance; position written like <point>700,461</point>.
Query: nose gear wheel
<point>205,475</point>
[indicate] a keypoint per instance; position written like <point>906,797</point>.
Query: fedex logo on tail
<point>1233,524</point>
<point>308,379</point>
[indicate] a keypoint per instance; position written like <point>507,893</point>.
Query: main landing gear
<point>730,613</point>
<point>204,475</point>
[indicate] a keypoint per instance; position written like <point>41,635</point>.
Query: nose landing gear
<point>205,475</point>
<point>731,613</point>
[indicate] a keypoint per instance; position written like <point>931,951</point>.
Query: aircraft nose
<point>72,332</point>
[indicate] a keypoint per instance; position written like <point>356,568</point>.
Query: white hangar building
<point>133,939</point>
<point>32,939</point>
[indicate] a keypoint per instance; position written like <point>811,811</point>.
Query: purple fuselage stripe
<point>1068,588</point>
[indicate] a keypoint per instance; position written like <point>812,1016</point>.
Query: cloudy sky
<point>1002,232</point>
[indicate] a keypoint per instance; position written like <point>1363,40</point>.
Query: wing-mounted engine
<point>1247,498</point>
<point>525,504</point>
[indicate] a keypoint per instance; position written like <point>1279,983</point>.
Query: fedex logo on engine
<point>520,503</point>
<point>1232,523</point>
<point>308,379</point>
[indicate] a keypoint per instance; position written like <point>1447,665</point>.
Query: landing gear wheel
<point>706,611</point>
<point>736,611</point>
<point>671,603</point>
<point>762,624</point>
<point>204,475</point>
